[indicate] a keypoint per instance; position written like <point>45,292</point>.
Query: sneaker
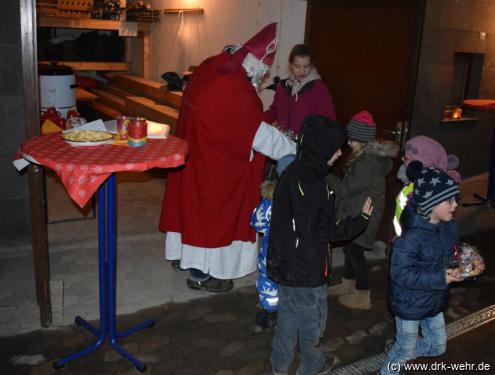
<point>276,372</point>
<point>327,366</point>
<point>213,285</point>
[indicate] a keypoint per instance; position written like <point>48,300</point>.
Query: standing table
<point>487,105</point>
<point>83,171</point>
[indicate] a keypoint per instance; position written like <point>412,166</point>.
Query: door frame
<point>385,231</point>
<point>413,74</point>
<point>39,233</point>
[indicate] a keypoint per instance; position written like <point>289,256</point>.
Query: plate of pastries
<point>87,137</point>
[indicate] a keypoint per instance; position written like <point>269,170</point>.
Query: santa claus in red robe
<point>208,203</point>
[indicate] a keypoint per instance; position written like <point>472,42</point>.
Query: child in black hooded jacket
<point>303,223</point>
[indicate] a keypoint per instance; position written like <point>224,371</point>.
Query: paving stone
<point>30,360</point>
<point>148,358</point>
<point>456,300</point>
<point>252,368</point>
<point>153,344</point>
<point>456,312</point>
<point>131,347</point>
<point>112,356</point>
<point>199,312</point>
<point>203,342</point>
<point>220,318</point>
<point>224,372</point>
<point>231,349</point>
<point>356,337</point>
<point>473,294</point>
<point>44,369</point>
<point>379,329</point>
<point>135,371</point>
<point>486,279</point>
<point>457,290</point>
<point>73,340</point>
<point>334,344</point>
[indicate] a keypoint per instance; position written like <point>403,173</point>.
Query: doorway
<point>367,51</point>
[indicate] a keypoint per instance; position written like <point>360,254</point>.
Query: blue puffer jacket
<point>267,288</point>
<point>417,287</point>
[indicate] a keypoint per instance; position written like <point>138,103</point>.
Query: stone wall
<point>454,26</point>
<point>14,205</point>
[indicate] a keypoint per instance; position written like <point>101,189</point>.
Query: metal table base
<point>107,283</point>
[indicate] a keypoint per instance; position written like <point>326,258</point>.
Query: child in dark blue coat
<point>419,278</point>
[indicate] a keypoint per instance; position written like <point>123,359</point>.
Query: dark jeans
<point>355,266</point>
<point>302,314</point>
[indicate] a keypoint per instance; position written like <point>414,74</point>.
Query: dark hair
<point>300,50</point>
<point>174,82</point>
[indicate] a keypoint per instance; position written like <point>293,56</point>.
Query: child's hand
<point>478,268</point>
<point>367,207</point>
<point>453,275</point>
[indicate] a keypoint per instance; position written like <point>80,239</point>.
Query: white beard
<point>255,69</point>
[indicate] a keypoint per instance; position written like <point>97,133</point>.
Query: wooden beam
<point>86,23</point>
<point>35,173</point>
<point>91,65</point>
<point>145,87</point>
<point>146,53</point>
<point>105,110</point>
<point>110,99</point>
<point>152,111</point>
<point>83,95</point>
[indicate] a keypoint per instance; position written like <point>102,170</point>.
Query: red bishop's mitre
<point>264,44</point>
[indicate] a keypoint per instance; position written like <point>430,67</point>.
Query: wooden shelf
<point>94,65</point>
<point>461,119</point>
<point>86,23</point>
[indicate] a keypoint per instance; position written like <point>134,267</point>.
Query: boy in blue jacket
<point>419,278</point>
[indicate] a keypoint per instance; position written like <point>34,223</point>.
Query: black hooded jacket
<point>303,214</point>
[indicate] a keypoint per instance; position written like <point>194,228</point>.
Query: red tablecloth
<point>83,169</point>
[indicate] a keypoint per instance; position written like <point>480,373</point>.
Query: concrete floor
<point>144,278</point>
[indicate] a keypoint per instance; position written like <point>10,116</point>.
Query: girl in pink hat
<point>431,154</point>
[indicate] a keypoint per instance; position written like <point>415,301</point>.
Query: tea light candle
<point>457,113</point>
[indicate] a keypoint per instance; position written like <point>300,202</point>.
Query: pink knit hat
<point>432,154</point>
<point>362,127</point>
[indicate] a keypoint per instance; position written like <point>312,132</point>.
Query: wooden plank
<point>146,53</point>
<point>149,109</point>
<point>116,91</point>
<point>93,65</point>
<point>105,110</point>
<point>70,23</point>
<point>83,95</point>
<point>110,99</point>
<point>145,87</point>
<point>35,174</point>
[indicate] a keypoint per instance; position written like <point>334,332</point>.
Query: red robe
<point>210,200</point>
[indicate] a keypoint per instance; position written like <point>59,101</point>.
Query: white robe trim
<point>229,262</point>
<point>271,142</point>
<point>239,258</point>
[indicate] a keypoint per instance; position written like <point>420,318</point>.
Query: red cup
<point>137,131</point>
<point>122,125</point>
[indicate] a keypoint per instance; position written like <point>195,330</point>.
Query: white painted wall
<point>178,42</point>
